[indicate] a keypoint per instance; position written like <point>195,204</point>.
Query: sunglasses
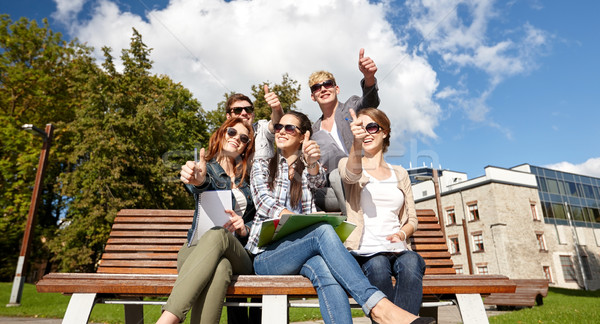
<point>238,110</point>
<point>373,128</point>
<point>327,84</point>
<point>289,128</point>
<point>243,137</point>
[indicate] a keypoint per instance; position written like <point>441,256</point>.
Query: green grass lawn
<point>560,306</point>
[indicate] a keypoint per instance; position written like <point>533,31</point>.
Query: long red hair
<point>217,140</point>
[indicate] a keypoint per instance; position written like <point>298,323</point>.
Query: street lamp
<point>17,288</point>
<point>438,198</point>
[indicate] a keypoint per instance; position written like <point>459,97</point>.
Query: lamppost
<point>17,288</point>
<point>438,198</point>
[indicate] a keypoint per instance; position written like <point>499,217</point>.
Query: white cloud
<point>67,10</point>
<point>458,33</point>
<point>213,47</point>
<point>591,167</point>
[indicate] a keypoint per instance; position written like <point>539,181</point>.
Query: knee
<point>412,262</point>
<point>224,271</point>
<point>377,264</point>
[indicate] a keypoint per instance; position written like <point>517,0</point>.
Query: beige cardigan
<point>354,183</point>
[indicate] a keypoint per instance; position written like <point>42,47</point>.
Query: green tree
<point>288,92</point>
<point>127,127</point>
<point>39,78</point>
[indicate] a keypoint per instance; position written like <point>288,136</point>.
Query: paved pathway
<point>446,315</point>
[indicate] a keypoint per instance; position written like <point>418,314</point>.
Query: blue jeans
<point>407,267</point>
<point>317,253</point>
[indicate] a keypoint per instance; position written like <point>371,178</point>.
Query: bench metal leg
<point>275,309</point>
<point>471,308</point>
<point>134,314</point>
<point>79,309</point>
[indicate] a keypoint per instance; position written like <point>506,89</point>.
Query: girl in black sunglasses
<point>379,200</point>
<point>205,262</point>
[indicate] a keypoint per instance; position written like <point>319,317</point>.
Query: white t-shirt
<point>380,201</point>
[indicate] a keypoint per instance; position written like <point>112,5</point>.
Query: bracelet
<point>308,166</point>
<point>405,236</point>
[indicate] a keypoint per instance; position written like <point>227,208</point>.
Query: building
<point>524,222</point>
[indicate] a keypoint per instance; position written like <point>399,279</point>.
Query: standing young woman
<point>379,200</point>
<point>284,185</point>
<point>206,263</point>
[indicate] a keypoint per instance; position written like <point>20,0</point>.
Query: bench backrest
<point>146,241</point>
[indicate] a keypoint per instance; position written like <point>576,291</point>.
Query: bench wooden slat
<point>146,240</point>
<point>139,263</point>
<point>143,219</point>
<point>144,248</point>
<point>165,227</point>
<point>140,255</point>
<point>125,233</point>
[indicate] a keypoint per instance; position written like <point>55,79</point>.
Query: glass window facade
<point>580,193</point>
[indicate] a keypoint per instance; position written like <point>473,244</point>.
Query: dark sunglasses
<point>243,137</point>
<point>289,128</point>
<point>327,84</point>
<point>238,110</point>
<point>372,128</point>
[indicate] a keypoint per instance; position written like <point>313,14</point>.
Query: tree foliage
<point>127,126</point>
<point>119,140</point>
<point>39,73</point>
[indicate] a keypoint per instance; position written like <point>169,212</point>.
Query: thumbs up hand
<point>357,129</point>
<point>310,150</point>
<point>194,173</point>
<point>366,66</point>
<point>272,99</point>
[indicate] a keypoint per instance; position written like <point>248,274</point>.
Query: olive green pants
<point>205,272</point>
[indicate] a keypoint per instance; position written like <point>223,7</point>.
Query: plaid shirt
<point>269,204</point>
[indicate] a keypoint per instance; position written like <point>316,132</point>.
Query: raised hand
<point>272,99</point>
<point>235,224</point>
<point>310,150</point>
<point>276,109</point>
<point>367,67</point>
<point>357,128</point>
<point>194,173</point>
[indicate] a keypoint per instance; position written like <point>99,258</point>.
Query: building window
<point>547,273</point>
<point>473,212</point>
<point>454,247</point>
<point>450,216</point>
<point>567,267</point>
<point>477,242</point>
<point>458,269</point>
<point>482,269</point>
<point>541,241</point>
<point>534,212</point>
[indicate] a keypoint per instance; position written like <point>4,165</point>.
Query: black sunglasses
<point>373,128</point>
<point>243,137</point>
<point>327,84</point>
<point>238,110</point>
<point>289,128</point>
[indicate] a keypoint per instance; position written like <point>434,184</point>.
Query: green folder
<point>275,229</point>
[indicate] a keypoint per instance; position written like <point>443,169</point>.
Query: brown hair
<point>382,119</point>
<point>296,186</point>
<point>217,139</point>
<point>235,98</point>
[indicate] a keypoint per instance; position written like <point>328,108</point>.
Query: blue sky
<point>467,84</point>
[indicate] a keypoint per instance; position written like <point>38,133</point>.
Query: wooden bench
<point>140,260</point>
<point>529,292</point>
